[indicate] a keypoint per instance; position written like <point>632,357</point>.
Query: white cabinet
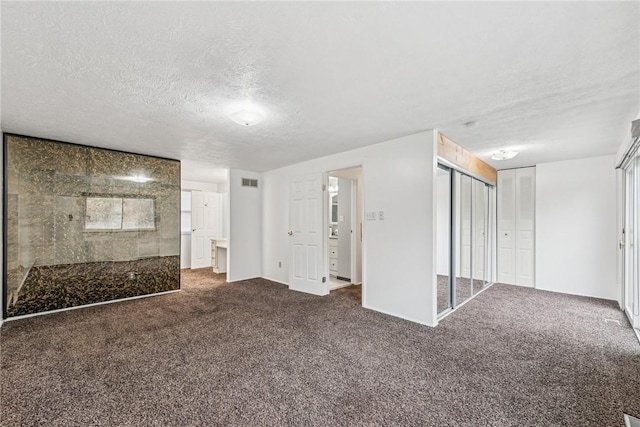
<point>333,256</point>
<point>516,226</point>
<point>219,255</point>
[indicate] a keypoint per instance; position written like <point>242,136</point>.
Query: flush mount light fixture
<point>247,117</point>
<point>504,155</point>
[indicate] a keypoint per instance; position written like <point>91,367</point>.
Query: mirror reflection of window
<point>118,213</point>
<point>138,214</point>
<point>103,213</point>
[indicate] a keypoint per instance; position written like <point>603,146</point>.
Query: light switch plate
<point>370,216</point>
<point>381,215</point>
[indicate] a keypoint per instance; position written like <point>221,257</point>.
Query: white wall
<point>398,252</point>
<point>244,253</point>
<point>185,250</point>
<point>576,227</point>
<point>2,237</point>
<point>344,228</point>
<point>359,226</point>
<point>199,186</point>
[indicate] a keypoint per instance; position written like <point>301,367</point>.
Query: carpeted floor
<point>463,291</point>
<point>254,353</point>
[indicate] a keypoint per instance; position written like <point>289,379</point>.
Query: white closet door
<point>506,226</point>
<point>525,226</point>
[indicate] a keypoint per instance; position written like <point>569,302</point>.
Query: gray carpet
<point>254,353</point>
<point>463,291</point>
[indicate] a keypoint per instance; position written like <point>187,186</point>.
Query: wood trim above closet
<point>458,156</point>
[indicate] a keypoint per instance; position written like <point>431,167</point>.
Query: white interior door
<point>205,225</point>
<point>525,226</point>
<point>506,226</point>
<point>212,217</point>
<point>306,235</point>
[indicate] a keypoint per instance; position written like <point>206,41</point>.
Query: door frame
<point>631,259</point>
<point>354,227</point>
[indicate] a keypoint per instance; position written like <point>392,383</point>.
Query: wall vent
<point>249,182</point>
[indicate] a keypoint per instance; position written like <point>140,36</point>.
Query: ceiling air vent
<point>248,182</point>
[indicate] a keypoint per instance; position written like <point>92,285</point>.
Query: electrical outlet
<point>370,216</point>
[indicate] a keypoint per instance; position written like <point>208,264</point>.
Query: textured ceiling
<point>553,80</point>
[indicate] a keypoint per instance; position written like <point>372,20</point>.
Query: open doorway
<point>344,226</point>
<point>204,224</point>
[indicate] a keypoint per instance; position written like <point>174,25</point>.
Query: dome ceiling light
<point>504,155</point>
<point>246,117</point>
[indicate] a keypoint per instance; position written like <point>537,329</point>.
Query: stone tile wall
<point>47,186</point>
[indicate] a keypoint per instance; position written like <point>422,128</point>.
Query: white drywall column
<point>576,227</point>
<point>400,251</point>
<point>2,235</point>
<point>244,253</point>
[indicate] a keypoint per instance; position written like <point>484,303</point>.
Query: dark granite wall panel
<point>47,186</point>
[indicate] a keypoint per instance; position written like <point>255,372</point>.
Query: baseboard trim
<point>571,293</point>
<point>410,319</point>
<point>60,310</point>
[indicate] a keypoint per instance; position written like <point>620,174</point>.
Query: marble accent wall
<point>48,224</point>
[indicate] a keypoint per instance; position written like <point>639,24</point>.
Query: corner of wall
<point>245,227</point>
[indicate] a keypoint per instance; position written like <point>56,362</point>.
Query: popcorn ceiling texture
<point>554,80</point>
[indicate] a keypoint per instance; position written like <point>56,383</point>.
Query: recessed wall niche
<point>86,225</point>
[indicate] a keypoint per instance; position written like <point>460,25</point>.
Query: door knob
<point>290,233</point>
